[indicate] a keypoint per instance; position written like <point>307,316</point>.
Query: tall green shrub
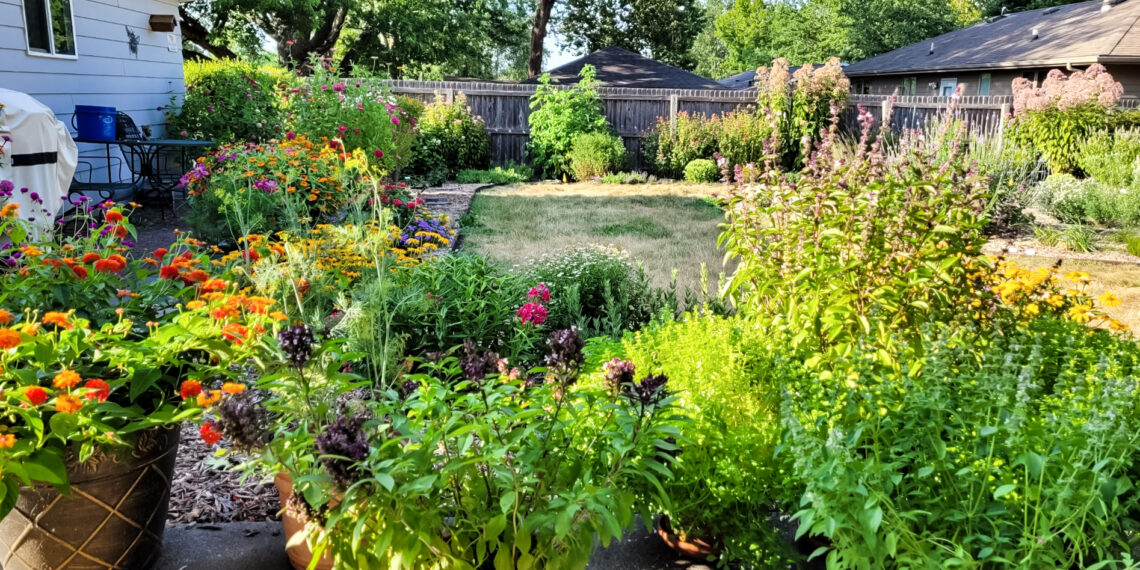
<point>450,139</point>
<point>668,147</point>
<point>1111,157</point>
<point>800,110</point>
<point>1057,117</point>
<point>558,116</point>
<point>229,101</point>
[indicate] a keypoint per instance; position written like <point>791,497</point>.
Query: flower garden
<point>867,387</point>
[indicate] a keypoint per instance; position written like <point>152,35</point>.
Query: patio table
<point>153,182</point>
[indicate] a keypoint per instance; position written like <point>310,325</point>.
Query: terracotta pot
<point>114,518</point>
<point>690,547</point>
<point>300,556</point>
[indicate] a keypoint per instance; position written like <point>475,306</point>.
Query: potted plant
<point>93,394</point>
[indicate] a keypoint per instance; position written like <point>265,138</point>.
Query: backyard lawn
<point>666,226</point>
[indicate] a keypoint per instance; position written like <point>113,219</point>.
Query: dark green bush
<point>450,139</point>
<point>593,155</point>
<point>702,170</point>
<point>229,101</point>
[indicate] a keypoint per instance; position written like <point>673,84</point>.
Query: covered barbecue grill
<point>38,155</point>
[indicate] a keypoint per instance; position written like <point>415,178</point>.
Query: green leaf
<point>386,480</point>
<point>507,501</point>
<point>1004,490</point>
<point>47,466</point>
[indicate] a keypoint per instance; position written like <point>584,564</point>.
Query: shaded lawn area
<point>1121,279</point>
<point>665,226</point>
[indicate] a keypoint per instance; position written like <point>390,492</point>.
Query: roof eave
<point>991,66</point>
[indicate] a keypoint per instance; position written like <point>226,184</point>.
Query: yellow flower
<point>1080,313</point>
<point>1081,276</point>
<point>1109,300</point>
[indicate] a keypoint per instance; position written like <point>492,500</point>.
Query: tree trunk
<point>538,36</point>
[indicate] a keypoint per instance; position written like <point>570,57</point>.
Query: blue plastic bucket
<point>95,123</point>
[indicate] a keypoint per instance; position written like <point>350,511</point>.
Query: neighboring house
<point>617,67</point>
<point>94,52</point>
<point>985,58</point>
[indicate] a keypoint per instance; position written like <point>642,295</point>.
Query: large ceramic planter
<point>114,517</point>
<point>693,548</point>
<point>300,556</point>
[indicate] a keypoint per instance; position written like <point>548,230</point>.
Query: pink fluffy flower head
<point>538,293</point>
<point>532,313</point>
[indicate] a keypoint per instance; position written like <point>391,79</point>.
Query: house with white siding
<point>112,53</point>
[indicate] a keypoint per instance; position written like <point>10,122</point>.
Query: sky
<point>555,54</point>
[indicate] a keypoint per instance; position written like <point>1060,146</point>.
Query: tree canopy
<point>661,29</point>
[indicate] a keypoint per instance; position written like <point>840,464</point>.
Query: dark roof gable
<point>617,67</point>
<point>1082,33</point>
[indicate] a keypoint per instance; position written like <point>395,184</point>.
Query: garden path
<point>453,200</point>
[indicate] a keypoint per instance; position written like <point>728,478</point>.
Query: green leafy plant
<point>998,453</point>
<point>627,178</point>
<point>1111,157</point>
<point>507,174</point>
<point>593,155</point>
<point>1047,236</point>
<point>558,116</point>
<point>1078,238</point>
<point>860,246</point>
<point>800,109</point>
<point>1133,245</point>
<point>598,289</point>
<point>728,481</point>
<point>672,144</point>
<point>230,101</point>
<point>702,170</point>
<point>450,139</point>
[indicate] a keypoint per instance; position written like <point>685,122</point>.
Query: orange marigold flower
<point>195,305</point>
<point>58,319</point>
<point>209,434</point>
<point>9,339</point>
<point>106,266</point>
<point>68,404</point>
<point>97,390</point>
<point>7,440</point>
<point>114,216</point>
<point>233,388</point>
<point>36,395</point>
<point>5,317</point>
<point>208,398</point>
<point>66,379</point>
<point>9,210</point>
<point>168,272</point>
<point>190,389</point>
<point>91,257</point>
<point>279,316</point>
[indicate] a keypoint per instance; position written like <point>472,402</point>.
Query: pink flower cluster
<point>534,311</point>
<point>1093,86</point>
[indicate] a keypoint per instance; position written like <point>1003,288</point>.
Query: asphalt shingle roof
<point>1081,33</point>
<point>617,67</point>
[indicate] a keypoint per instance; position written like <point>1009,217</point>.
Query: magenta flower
<point>378,153</point>
<point>538,293</point>
<point>532,313</point>
<point>395,120</point>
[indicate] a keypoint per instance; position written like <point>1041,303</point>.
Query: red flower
<point>197,276</point>
<point>119,231</point>
<point>36,395</point>
<point>209,434</point>
<point>235,333</point>
<point>160,253</point>
<point>168,272</point>
<point>250,255</point>
<point>80,272</point>
<point>190,389</point>
<point>114,216</point>
<point>90,257</point>
<point>107,266</point>
<point>99,390</point>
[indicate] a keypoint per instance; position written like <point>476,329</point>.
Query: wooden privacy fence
<point>505,108</point>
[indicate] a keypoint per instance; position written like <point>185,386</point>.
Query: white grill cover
<point>41,156</point>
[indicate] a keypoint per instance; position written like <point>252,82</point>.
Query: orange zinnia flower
<point>208,398</point>
<point>5,317</point>
<point>7,440</point>
<point>190,389</point>
<point>90,257</point>
<point>58,319</point>
<point>114,216</point>
<point>168,272</point>
<point>9,339</point>
<point>233,388</point>
<point>66,379</point>
<point>68,404</point>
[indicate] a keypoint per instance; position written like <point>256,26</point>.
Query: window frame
<point>985,81</point>
<point>942,84</point>
<point>51,36</point>
<point>910,85</point>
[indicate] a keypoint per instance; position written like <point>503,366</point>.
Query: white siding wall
<point>105,71</point>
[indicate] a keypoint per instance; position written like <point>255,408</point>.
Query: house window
<point>863,87</point>
<point>49,28</point>
<point>947,87</point>
<point>984,84</point>
<point>909,85</point>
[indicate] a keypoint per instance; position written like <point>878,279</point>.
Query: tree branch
<point>194,32</point>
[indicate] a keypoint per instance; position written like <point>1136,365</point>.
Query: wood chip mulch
<point>206,490</point>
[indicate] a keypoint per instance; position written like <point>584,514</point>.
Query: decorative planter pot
<point>687,546</point>
<point>300,556</point>
<point>113,519</point>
